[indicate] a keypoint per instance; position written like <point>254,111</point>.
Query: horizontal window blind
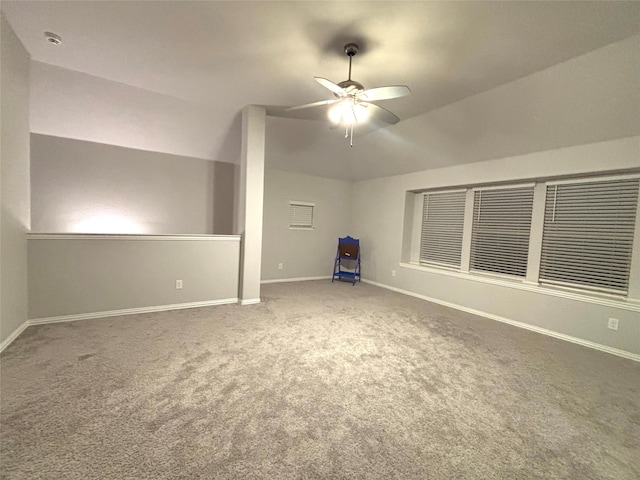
<point>500,230</point>
<point>588,234</point>
<point>442,227</point>
<point>300,215</point>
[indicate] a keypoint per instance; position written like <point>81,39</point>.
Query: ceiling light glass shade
<point>346,112</point>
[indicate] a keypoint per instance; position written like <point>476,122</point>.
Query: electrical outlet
<point>280,266</point>
<point>178,284</point>
<point>393,273</point>
<point>613,324</point>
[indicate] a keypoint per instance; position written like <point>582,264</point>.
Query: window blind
<point>588,234</point>
<point>500,230</point>
<point>300,215</point>
<point>442,227</point>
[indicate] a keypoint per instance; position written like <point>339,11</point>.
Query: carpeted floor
<point>320,381</point>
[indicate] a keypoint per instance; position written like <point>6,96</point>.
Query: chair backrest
<point>348,247</point>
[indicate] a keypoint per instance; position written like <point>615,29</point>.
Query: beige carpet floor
<point>320,381</point>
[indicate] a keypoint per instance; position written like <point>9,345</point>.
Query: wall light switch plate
<point>178,284</point>
<point>613,324</point>
<point>393,273</point>
<point>280,266</point>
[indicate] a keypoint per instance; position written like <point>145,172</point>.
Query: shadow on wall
<point>223,196</point>
<point>229,151</point>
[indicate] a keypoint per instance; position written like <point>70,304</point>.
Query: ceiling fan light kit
<point>352,104</point>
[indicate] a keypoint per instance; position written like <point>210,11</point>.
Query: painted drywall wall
<point>87,187</point>
<point>70,104</point>
<point>378,216</point>
<point>304,253</point>
<point>14,180</point>
<point>72,275</point>
<point>251,202</point>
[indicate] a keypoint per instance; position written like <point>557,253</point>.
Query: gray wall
<point>14,180</point>
<point>72,275</point>
<point>303,253</point>
<point>86,187</point>
<point>379,217</point>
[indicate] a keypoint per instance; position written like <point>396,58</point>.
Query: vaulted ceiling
<point>230,54</point>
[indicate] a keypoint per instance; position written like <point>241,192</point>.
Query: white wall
<point>378,215</point>
<point>70,104</point>
<point>304,253</point>
<point>87,187</point>
<point>14,180</point>
<point>76,274</point>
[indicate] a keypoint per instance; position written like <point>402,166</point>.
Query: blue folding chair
<point>347,262</point>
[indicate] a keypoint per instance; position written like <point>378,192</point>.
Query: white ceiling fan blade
<point>314,104</point>
<point>384,93</point>
<point>331,86</point>
<point>378,113</point>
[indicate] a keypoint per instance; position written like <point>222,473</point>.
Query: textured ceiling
<point>231,54</point>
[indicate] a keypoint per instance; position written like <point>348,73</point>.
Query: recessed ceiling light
<point>52,38</point>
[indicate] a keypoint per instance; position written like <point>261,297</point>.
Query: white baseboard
<point>110,313</point>
<point>249,301</point>
<point>7,341</point>
<point>543,331</point>
<point>129,311</point>
<point>252,301</point>
<point>296,279</point>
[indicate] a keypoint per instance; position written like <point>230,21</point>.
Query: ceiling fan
<point>353,103</point>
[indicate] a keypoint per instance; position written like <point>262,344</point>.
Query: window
<point>501,229</point>
<point>588,234</point>
<point>442,227</point>
<point>577,233</point>
<point>301,215</point>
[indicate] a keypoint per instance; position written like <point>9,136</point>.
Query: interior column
<point>251,202</point>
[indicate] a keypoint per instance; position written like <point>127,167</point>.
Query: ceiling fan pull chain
<point>353,116</point>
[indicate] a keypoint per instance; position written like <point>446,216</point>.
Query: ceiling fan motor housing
<point>351,87</point>
<point>351,49</point>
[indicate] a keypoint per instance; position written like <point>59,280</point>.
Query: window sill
<point>602,299</point>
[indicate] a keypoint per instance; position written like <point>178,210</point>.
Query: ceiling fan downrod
<point>350,49</point>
